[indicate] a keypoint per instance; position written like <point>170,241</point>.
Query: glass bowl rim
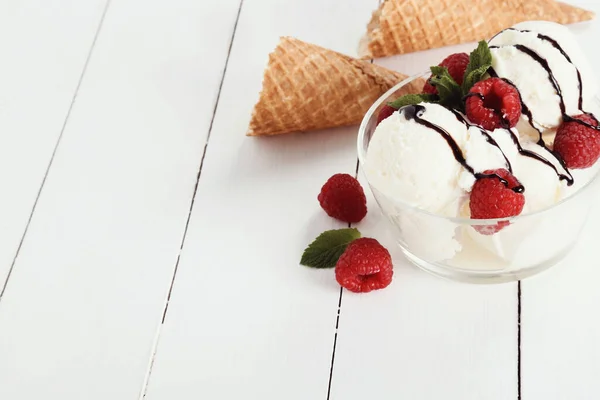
<point>361,151</point>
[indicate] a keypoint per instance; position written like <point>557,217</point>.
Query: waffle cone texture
<point>307,87</point>
<point>405,26</point>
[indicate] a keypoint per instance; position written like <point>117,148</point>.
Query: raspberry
<point>456,64</point>
<point>365,265</point>
<point>385,112</point>
<point>494,103</point>
<point>577,144</point>
<point>343,198</point>
<point>491,199</point>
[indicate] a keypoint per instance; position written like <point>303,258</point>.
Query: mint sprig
<point>412,99</point>
<point>480,60</point>
<point>449,91</point>
<point>327,248</point>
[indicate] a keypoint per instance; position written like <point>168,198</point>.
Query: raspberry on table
<point>365,265</point>
<point>342,197</point>
<point>456,64</point>
<point>385,112</point>
<point>576,143</point>
<point>493,103</point>
<point>491,198</point>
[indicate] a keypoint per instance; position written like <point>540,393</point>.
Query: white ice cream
<point>413,163</point>
<point>480,155</point>
<point>514,53</point>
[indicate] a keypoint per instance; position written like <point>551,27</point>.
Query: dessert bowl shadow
<point>454,248</point>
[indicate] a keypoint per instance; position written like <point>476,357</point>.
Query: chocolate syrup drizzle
<point>514,137</point>
<point>487,136</point>
<point>524,109</point>
<point>415,112</point>
<point>528,153</point>
<point>558,47</point>
<point>544,63</point>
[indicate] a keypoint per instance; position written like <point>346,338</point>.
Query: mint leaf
<point>449,91</point>
<point>410,99</point>
<point>480,60</point>
<point>327,248</point>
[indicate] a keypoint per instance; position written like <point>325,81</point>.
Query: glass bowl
<point>453,247</point>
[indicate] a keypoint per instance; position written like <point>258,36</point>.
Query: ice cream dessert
<point>507,131</point>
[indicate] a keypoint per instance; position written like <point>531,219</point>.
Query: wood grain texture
<point>44,49</point>
<point>81,310</point>
<point>245,320</point>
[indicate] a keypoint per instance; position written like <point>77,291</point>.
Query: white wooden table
<point>149,249</point>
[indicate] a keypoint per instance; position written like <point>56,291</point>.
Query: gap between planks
<point>519,340</point>
<point>187,223</point>
<point>339,311</point>
<point>54,151</point>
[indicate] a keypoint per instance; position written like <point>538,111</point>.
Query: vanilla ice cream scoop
<point>409,160</point>
<point>546,64</point>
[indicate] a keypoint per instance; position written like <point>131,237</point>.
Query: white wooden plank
<point>245,320</point>
<point>560,326</point>
<point>44,48</point>
<point>81,310</point>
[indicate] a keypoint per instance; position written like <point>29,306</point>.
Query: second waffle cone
<point>405,26</point>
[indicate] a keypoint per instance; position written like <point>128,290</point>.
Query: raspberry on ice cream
<point>456,64</point>
<point>577,142</point>
<point>493,103</point>
<point>496,194</point>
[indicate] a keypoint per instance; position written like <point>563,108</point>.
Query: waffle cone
<point>404,26</point>
<point>307,87</point>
